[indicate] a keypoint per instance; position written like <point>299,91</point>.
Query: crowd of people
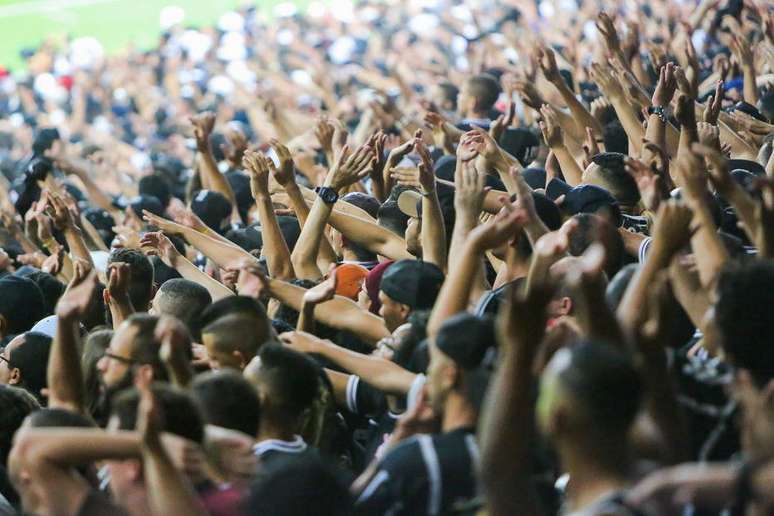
<point>394,258</point>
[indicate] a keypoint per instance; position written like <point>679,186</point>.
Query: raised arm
<point>212,179</point>
<point>275,249</point>
<point>383,374</point>
<point>64,375</point>
<point>554,137</point>
<point>433,229</point>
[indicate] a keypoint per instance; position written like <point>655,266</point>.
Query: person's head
<point>371,206</point>
<point>444,95</point>
<point>290,488</point>
<point>232,341</point>
<point>607,171</point>
<point>24,361</point>
<point>615,138</point>
<point>15,405</point>
<point>391,217</point>
<point>212,208</point>
<point>589,397</point>
<point>287,383</point>
<point>157,186</point>
<point>94,346</point>
<point>408,285</point>
<point>232,305</point>
<point>456,356</point>
<point>593,228</point>
<point>228,400</point>
<point>478,95</point>
<point>140,275</point>
<point>133,350</point>
<point>349,279</point>
<point>51,288</point>
<point>57,417</point>
<point>181,418</point>
<point>183,299</point>
<point>21,305</point>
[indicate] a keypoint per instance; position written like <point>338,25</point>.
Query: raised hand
<point>79,296</point>
<point>709,135</point>
<point>203,124</point>
<point>350,169</point>
<point>257,165</point>
<point>685,112</point>
<point>158,244</point>
<point>606,81</point>
<point>323,131</point>
<point>590,147</point>
<point>666,86</point>
<point>252,280</point>
<point>501,229</point>
<point>672,228</point>
<point>555,244</point>
<point>165,225</point>
<point>549,126</point>
<point>529,94</point>
<point>607,29</point>
<point>235,146</point>
<point>470,191</point>
<point>649,182</point>
<point>60,215</point>
<point>426,176</point>
<point>149,416</point>
<point>323,291</point>
<point>547,61</point>
<point>285,173</point>
<point>714,104</point>
<point>119,276</point>
<point>503,121</point>
<point>175,341</point>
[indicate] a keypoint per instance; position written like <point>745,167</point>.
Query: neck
<point>458,413</point>
<point>473,114</point>
<point>270,430</point>
<point>596,467</point>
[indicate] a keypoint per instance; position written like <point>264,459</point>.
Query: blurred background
<point>115,24</point>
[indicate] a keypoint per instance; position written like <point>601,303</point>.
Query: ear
<point>451,375</point>
<point>15,376</point>
<point>241,359</point>
<point>154,289</point>
<point>566,305</point>
<point>144,372</point>
<point>405,310</point>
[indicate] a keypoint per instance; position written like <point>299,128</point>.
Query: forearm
<point>750,86</point>
<point>631,310</point>
<point>370,235</point>
<point>580,114</point>
<point>225,255</point>
<point>433,231</point>
<point>274,246</point>
<point>340,312</point>
<point>709,250</point>
<point>507,426</point>
<point>464,223</point>
<point>69,447</point>
<point>305,253</point>
<point>455,291</point>
<point>212,179</point>
<point>572,172</point>
<point>168,491</point>
<point>96,195</point>
<point>306,318</point>
<point>191,272</point>
<point>76,244</point>
<point>383,374</point>
<point>120,310</point>
<point>63,374</point>
<point>628,118</point>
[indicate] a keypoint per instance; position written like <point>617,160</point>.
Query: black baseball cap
<point>584,199</point>
<point>240,185</point>
<point>146,202</point>
<point>21,303</point>
<point>749,165</point>
<point>412,282</point>
<point>247,238</point>
<point>466,339</point>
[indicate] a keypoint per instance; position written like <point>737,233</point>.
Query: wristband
<point>658,111</point>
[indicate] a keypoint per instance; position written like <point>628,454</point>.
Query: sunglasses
<point>119,358</point>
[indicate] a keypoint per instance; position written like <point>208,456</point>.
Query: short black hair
<point>157,186</point>
<point>184,299</point>
<point>141,275</point>
<point>240,332</point>
<point>620,184</point>
<point>145,347</point>
<point>232,305</point>
<point>228,400</point>
<point>606,384</point>
<point>57,417</point>
<point>745,296</point>
<point>15,405</point>
<point>31,358</point>
<point>21,303</point>
<point>181,415</point>
<point>485,90</point>
<point>51,288</point>
<point>615,138</point>
<point>450,93</point>
<point>291,380</point>
<point>293,487</point>
<point>391,217</point>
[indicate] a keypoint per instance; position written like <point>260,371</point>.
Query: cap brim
<point>407,202</point>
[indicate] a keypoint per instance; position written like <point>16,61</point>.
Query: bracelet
<point>658,111</point>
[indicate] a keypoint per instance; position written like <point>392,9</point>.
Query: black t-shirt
<point>427,474</point>
<point>272,451</point>
<point>367,401</point>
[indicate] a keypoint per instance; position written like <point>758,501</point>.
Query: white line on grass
<point>45,6</point>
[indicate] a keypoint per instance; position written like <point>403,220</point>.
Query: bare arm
<point>383,374</point>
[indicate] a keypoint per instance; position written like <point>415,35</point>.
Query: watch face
<point>328,195</point>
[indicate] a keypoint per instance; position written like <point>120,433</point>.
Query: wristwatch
<point>327,194</point>
<point>658,111</point>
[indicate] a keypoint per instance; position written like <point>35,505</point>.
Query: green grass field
<point>116,23</point>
